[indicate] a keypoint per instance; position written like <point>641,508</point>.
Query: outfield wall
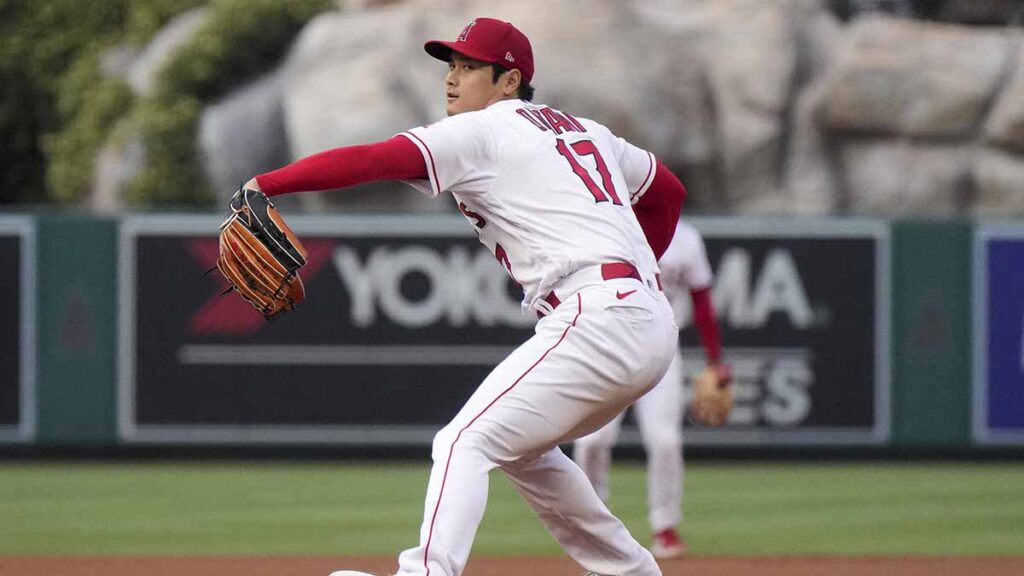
<point>879,334</point>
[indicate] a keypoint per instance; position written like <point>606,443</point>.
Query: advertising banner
<point>405,315</point>
<point>17,330</point>
<point>999,334</point>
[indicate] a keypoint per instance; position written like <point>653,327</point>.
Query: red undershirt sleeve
<point>658,209</point>
<point>394,159</point>
<point>706,323</point>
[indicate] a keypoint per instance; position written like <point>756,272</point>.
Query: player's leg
<point>593,453</point>
<point>659,415</point>
<point>580,369</point>
<point>462,459</point>
<point>526,405</point>
<point>454,505</point>
<point>598,363</point>
<point>561,495</point>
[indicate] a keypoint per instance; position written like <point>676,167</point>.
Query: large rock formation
<point>243,134</point>
<point>905,107</point>
<point>760,106</point>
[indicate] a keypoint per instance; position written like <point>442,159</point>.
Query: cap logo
<point>508,56</point>
<point>465,31</point>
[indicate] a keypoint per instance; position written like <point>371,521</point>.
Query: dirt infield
<point>491,566</point>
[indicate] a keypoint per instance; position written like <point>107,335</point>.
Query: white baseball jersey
<point>684,267</point>
<point>509,163</point>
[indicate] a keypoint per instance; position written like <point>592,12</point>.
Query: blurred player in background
<point>659,414</point>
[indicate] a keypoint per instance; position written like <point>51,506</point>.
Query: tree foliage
<point>57,108</point>
<point>239,40</point>
<point>39,41</point>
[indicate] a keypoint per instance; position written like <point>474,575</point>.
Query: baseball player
<point>659,413</point>
<point>578,218</point>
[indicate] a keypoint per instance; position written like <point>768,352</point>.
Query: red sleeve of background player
<point>658,209</point>
<point>706,323</point>
<point>394,159</point>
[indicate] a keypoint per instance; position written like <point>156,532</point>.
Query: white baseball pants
<point>659,415</point>
<point>600,350</point>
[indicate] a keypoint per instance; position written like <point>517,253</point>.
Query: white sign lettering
<point>463,286</point>
<point>745,303</point>
<point>774,391</point>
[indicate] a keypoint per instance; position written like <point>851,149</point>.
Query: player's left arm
<point>659,207</point>
<point>393,159</point>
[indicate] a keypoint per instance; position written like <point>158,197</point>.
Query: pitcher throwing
<point>578,218</point>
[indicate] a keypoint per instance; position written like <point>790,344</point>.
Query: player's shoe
<point>668,544</point>
<point>350,573</point>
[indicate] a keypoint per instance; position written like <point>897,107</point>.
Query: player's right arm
<point>658,209</point>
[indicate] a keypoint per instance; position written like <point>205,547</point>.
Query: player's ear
<point>513,79</point>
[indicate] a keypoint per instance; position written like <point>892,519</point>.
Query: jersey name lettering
<point>547,119</point>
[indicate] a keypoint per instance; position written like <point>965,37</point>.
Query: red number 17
<point>587,148</point>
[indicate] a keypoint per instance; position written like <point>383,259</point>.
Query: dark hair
<point>525,91</point>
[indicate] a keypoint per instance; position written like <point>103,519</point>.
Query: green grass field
<point>734,509</point>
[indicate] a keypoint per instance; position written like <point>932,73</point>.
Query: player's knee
<point>450,440</point>
<point>442,443</point>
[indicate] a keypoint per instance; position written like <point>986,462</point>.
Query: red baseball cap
<point>489,40</point>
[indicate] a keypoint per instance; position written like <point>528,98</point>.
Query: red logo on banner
<point>229,314</point>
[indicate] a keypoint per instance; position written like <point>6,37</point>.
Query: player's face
<point>470,85</point>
